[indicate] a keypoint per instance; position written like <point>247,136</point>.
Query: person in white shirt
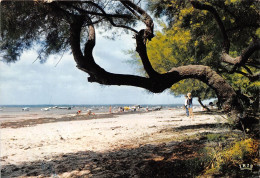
<point>190,106</point>
<point>186,106</point>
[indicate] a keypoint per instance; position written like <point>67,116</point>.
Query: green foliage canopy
<point>45,26</point>
<point>192,36</point>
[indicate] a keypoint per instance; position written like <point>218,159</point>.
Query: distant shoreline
<point>51,105</point>
<point>15,117</point>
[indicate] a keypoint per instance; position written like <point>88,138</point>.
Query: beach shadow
<point>174,159</point>
<point>211,112</point>
<point>200,126</point>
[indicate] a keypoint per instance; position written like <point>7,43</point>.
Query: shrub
<point>223,160</point>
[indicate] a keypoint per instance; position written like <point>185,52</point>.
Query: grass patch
<point>215,137</point>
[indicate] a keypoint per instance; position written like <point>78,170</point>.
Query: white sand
<point>43,141</point>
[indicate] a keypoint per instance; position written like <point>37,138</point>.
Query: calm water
<point>16,110</point>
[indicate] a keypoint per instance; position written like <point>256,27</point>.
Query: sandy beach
<point>108,145</point>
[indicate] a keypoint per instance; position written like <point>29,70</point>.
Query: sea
<point>12,111</point>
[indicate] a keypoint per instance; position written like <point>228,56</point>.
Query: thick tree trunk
<point>224,91</point>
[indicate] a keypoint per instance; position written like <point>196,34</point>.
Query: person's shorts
<point>189,106</point>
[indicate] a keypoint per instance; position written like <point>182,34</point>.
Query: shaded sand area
<point>110,145</point>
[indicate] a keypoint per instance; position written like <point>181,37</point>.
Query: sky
<point>28,83</point>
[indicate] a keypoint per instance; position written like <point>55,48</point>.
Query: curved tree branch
<point>148,34</point>
<point>141,49</point>
<point>103,14</point>
<point>97,74</point>
<point>224,91</point>
<point>225,57</point>
<point>248,70</point>
<point>251,77</point>
<point>75,29</point>
<point>211,9</point>
<point>142,36</point>
<point>253,63</point>
<point>155,84</point>
<point>243,58</point>
<point>133,12</point>
<point>204,106</point>
<point>123,16</point>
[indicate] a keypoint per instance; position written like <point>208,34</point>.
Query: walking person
<point>190,106</point>
<point>110,109</point>
<point>186,106</point>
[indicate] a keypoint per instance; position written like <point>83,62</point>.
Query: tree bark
<point>224,91</point>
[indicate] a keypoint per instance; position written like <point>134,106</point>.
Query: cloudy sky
<point>25,82</point>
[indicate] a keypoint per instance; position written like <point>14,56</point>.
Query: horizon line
<point>85,104</point>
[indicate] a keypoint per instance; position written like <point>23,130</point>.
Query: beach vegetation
<point>211,42</point>
<point>186,37</point>
<point>215,137</point>
<point>227,160</point>
<point>210,154</point>
<point>224,154</point>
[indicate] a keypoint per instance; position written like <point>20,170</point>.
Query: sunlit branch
<point>248,70</point>
<point>148,21</point>
<point>252,78</point>
<point>243,58</point>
